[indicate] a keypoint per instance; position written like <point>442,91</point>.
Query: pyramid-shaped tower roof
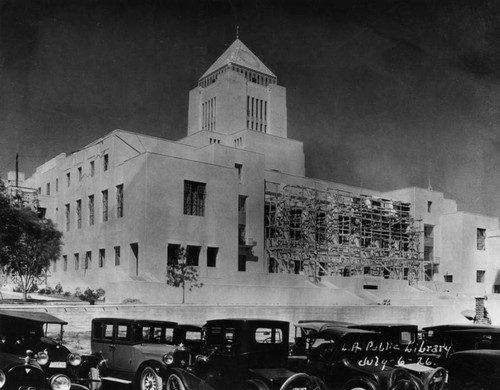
<point>239,54</point>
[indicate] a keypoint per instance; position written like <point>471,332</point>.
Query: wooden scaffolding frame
<point>335,232</point>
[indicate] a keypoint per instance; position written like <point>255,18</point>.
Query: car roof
<point>35,316</point>
<point>490,353</point>
<point>319,325</point>
<point>244,320</point>
<point>169,323</point>
<point>340,332</point>
<point>481,331</point>
<point>190,326</point>
<point>383,325</point>
<point>457,327</point>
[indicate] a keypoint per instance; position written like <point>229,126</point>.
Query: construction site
<point>331,232</point>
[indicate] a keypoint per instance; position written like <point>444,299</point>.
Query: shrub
<point>58,289</point>
<point>91,296</point>
<point>66,294</point>
<point>78,292</point>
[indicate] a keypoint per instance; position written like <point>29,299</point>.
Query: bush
<point>18,288</point>
<point>91,296</point>
<point>58,289</point>
<point>67,294</point>
<point>78,292</point>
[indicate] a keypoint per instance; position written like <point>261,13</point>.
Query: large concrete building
<point>235,195</point>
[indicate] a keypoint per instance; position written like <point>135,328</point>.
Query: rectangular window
<point>104,205</point>
<point>119,201</point>
<point>429,206</point>
<point>57,185</point>
<point>194,198</point>
<point>92,168</point>
<point>428,231</point>
<point>193,255</point>
<point>212,256</point>
<point>48,188</point>
<point>65,263</point>
<point>239,167</point>
<point>79,213</point>
<point>173,253</point>
<point>80,174</point>
<point>448,278</point>
<point>117,255</point>
<point>68,179</point>
<point>67,214</point>
<point>105,163</point>
<point>102,257</point>
<point>242,263</point>
<point>242,204</point>
<point>242,234</point>
<point>88,260</point>
<point>91,210</point>
<point>77,261</point>
<point>481,239</point>
<point>480,276</point>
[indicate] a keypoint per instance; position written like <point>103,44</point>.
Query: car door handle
<point>112,348</point>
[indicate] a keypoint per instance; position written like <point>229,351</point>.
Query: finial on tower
<point>237,32</point>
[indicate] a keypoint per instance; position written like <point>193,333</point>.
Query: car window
<point>406,338</point>
<point>268,335</point>
<point>108,331</point>
<point>169,335</point>
<point>193,335</point>
<point>123,332</point>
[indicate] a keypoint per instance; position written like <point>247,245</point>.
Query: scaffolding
<point>23,197</point>
<point>327,232</point>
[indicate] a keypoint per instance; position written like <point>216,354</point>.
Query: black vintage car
<point>137,351</point>
<point>348,358</point>
<point>242,354</point>
<point>442,340</point>
<point>474,370</point>
<point>36,337</point>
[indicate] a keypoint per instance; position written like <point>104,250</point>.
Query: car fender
<point>190,381</point>
<point>154,364</point>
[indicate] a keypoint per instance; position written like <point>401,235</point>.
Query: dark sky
<point>383,93</point>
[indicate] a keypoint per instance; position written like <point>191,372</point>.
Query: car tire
<point>360,384</point>
<point>398,374</point>
<point>437,379</point>
<point>150,380</point>
<point>312,382</point>
<point>94,375</point>
<point>254,384</point>
<point>174,382</point>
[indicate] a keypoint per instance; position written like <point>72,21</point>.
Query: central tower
<point>238,92</point>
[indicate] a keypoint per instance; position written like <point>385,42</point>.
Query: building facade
<point>235,195</point>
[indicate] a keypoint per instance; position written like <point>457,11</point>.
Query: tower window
<point>119,201</point>
<point>105,162</point>
<point>92,168</point>
<point>91,210</point>
<point>481,239</point>
<point>79,214</point>
<point>194,198</point>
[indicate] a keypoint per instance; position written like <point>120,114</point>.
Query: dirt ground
<point>78,342</point>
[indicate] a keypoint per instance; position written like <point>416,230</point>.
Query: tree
<point>180,274</point>
<point>27,244</point>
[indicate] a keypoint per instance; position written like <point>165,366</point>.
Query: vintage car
<point>348,358</point>
<point>242,354</point>
<point>442,340</point>
<point>137,351</point>
<point>474,370</point>
<point>38,337</point>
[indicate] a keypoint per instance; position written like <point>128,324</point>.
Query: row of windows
<point>87,260</point>
<point>256,114</point>
<point>91,208</point>
<point>209,110</point>
<point>254,77</point>
<point>105,166</point>
<point>192,257</point>
<point>480,275</point>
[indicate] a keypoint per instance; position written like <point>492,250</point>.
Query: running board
<point>113,379</point>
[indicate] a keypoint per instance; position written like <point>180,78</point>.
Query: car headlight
<point>42,358</point>
<point>3,378</point>
<point>168,359</point>
<point>60,382</point>
<point>74,359</point>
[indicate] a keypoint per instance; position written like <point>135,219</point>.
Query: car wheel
<point>150,380</point>
<point>360,384</point>
<point>436,380</point>
<point>175,383</point>
<point>95,379</point>
<point>398,374</point>
<point>254,384</point>
<point>302,380</point>
<point>404,384</point>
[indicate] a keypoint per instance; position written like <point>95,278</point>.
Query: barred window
<point>79,214</point>
<point>481,239</point>
<point>194,198</point>
<point>104,205</point>
<point>91,210</point>
<point>119,201</point>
